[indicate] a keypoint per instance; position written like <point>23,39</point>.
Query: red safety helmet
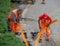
<point>45,15</point>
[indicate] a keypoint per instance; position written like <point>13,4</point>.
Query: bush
<point>4,8</point>
<point>9,39</point>
<point>6,38</point>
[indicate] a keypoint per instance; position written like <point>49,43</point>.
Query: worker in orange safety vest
<point>13,18</point>
<point>45,20</point>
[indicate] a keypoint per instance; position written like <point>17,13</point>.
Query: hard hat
<point>45,15</point>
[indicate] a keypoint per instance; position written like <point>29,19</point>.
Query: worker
<point>43,1</point>
<point>44,21</point>
<point>13,18</point>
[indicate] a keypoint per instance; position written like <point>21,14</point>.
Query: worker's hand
<point>48,25</point>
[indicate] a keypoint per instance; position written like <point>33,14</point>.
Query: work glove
<point>20,18</point>
<point>48,25</point>
<point>17,19</point>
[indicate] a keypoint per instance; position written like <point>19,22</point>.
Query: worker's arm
<point>19,18</point>
<point>14,18</point>
<point>50,19</point>
<point>25,10</point>
<point>49,23</point>
<point>39,24</point>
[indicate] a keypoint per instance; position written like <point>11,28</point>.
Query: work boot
<point>47,39</point>
<point>25,34</point>
<point>29,44</point>
<point>40,40</point>
<point>17,33</point>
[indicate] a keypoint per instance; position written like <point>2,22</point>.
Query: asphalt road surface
<point>52,7</point>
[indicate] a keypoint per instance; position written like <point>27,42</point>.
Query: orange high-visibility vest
<point>13,25</point>
<point>43,24</point>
